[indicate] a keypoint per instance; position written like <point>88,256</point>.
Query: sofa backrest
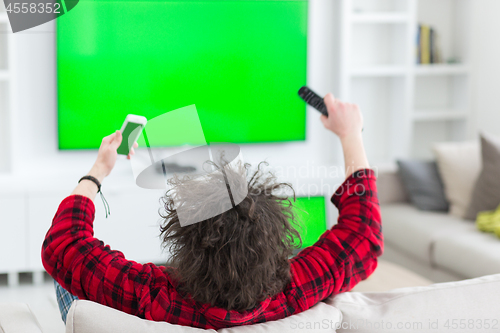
<point>390,187</point>
<point>17,318</point>
<point>460,306</point>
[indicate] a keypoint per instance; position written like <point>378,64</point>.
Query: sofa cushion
<point>17,318</point>
<point>414,231</point>
<point>459,164</point>
<point>91,317</point>
<point>423,184</point>
<point>465,306</point>
<point>470,253</point>
<point>486,193</point>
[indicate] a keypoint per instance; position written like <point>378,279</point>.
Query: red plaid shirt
<point>342,257</point>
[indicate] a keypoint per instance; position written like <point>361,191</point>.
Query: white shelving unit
<point>441,69</point>
<point>380,18</point>
<point>406,107</point>
<point>370,71</point>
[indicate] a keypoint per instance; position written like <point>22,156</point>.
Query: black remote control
<point>313,100</point>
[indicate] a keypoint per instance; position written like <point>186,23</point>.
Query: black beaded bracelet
<point>104,201</point>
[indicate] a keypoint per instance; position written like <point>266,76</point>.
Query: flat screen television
<point>240,62</point>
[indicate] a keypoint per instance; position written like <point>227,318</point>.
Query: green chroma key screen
<point>311,216</point>
<point>240,62</point>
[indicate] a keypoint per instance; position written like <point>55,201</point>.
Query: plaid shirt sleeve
<point>347,253</point>
<point>87,268</point>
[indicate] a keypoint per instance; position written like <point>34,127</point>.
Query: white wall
<point>486,57</point>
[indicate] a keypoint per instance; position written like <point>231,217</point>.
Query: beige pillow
<point>459,164</point>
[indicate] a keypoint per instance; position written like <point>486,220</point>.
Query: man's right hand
<point>344,119</point>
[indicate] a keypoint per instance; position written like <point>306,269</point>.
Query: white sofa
<point>462,306</point>
<point>18,318</point>
<point>438,246</point>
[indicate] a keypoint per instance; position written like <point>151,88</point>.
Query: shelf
<point>380,18</point>
<point>432,115</point>
<point>441,69</point>
<point>378,71</point>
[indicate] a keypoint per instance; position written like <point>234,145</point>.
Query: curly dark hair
<point>239,258</point>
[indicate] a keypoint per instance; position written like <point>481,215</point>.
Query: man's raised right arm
<point>347,253</point>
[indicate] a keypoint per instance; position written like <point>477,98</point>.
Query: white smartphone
<point>131,129</point>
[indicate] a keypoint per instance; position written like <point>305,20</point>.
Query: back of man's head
<point>240,257</point>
